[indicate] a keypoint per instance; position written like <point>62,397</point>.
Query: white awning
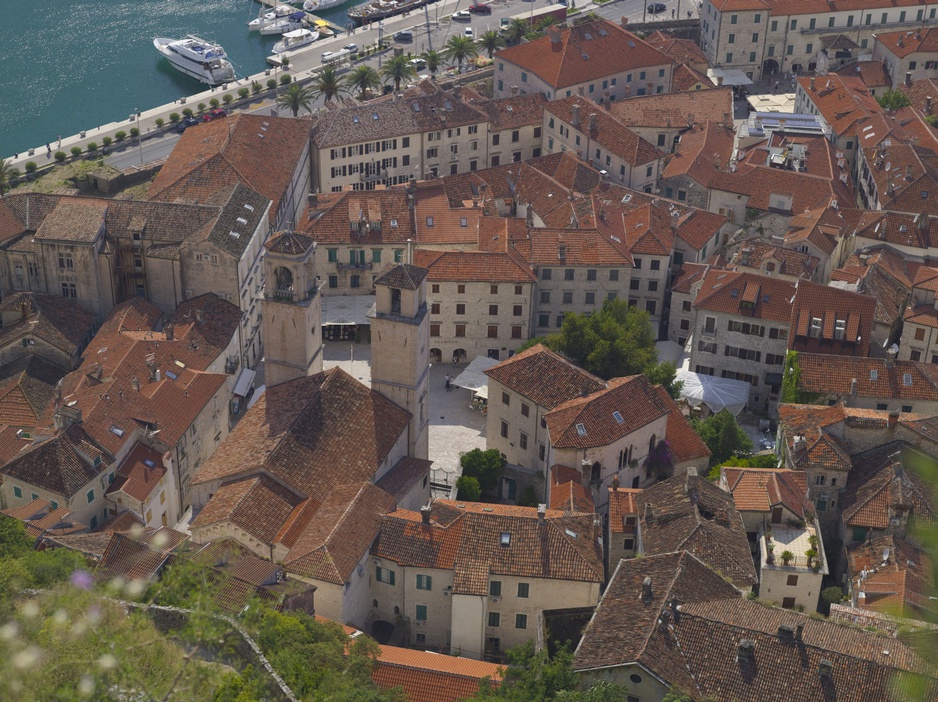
<point>243,384</point>
<point>483,392</point>
<point>474,377</point>
<point>716,393</point>
<point>346,309</point>
<point>730,76</point>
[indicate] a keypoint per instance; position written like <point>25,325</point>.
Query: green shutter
<point>333,255</point>
<point>352,258</point>
<point>391,578</point>
<point>421,613</point>
<point>376,255</point>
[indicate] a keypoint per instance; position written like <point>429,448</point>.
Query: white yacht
<point>282,25</point>
<point>296,39</point>
<point>203,60</point>
<point>255,25</point>
<point>320,5</point>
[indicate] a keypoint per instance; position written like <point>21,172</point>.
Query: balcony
<point>354,266</point>
<point>371,177</point>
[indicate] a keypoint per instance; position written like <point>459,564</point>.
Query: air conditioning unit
<point>420,622</point>
<point>376,561</point>
<point>495,599</point>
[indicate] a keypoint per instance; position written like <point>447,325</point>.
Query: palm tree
<point>433,59</point>
<point>327,84</point>
<point>460,49</point>
<point>397,68</point>
<point>363,78</point>
<point>516,30</point>
<point>492,41</point>
<point>7,174</point>
<point>296,97</point>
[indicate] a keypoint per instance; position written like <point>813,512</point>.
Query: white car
<point>327,55</point>
<point>467,32</point>
<point>351,48</point>
<point>462,16</point>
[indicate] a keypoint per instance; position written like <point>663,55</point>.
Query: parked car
<point>418,63</point>
<point>186,122</point>
<point>218,112</point>
<point>405,36</point>
<point>326,55</point>
<point>467,32</point>
<point>480,9</point>
<point>504,22</point>
<point>351,48</point>
<point>461,16</point>
<point>656,7</point>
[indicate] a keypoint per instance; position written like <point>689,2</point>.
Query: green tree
<point>459,49</point>
<point>484,466</point>
<point>791,382</point>
<point>893,99</point>
<point>467,488</point>
<point>516,30</point>
<point>614,342</point>
<point>722,435</point>
<point>6,168</point>
<point>396,69</point>
<point>327,84</point>
<point>363,78</point>
<point>433,59</point>
<point>60,156</point>
<point>296,97</point>
<point>491,41</point>
<point>528,497</point>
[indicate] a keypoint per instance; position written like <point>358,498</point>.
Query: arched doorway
<point>770,67</point>
<point>436,356</point>
<point>459,356</point>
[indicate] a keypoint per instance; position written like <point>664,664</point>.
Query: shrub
<point>242,92</point>
<point>256,87</point>
<point>787,557</point>
<point>467,488</point>
<point>285,62</point>
<point>31,166</point>
<point>528,497</point>
<point>271,84</point>
<point>92,147</point>
<point>134,132</point>
<point>120,136</point>
<point>187,112</point>
<point>285,79</point>
<point>160,122</point>
<point>174,117</point>
<point>107,141</point>
<point>201,107</point>
<point>60,156</point>
<point>76,151</point>
<point>214,102</point>
<point>228,97</point>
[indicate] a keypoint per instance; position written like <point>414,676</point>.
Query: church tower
<point>400,348</point>
<point>292,324</point>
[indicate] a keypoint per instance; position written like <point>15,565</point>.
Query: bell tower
<point>400,348</point>
<point>292,317</point>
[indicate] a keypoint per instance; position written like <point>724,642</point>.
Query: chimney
<point>24,310</point>
<point>592,121</point>
<point>746,649</point>
<point>908,171</point>
<point>554,34</point>
<point>541,513</point>
<point>410,251</point>
<point>799,631</point>
<point>928,105</point>
<point>890,359</point>
<point>646,590</point>
<point>893,419</point>
<point>66,416</point>
<point>812,84</point>
<point>168,331</point>
<point>514,91</point>
<point>135,383</point>
<point>825,668</point>
<point>575,121</point>
<point>198,315</point>
<point>853,388</point>
<point>908,77</point>
<point>615,481</point>
<point>623,21</point>
<point>312,200</point>
<point>425,512</point>
<point>719,81</point>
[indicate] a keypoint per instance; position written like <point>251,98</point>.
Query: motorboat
<point>382,9</point>
<point>282,25</point>
<point>320,5</point>
<point>203,60</point>
<point>295,39</point>
<point>255,25</point>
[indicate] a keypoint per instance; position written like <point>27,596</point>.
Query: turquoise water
<point>71,65</point>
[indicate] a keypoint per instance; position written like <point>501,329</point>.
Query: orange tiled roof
<point>872,73</point>
<point>676,110</point>
<point>473,266</point>
<point>140,472</point>
<point>847,106</point>
<point>702,151</point>
<point>623,503</point>
<point>903,584</point>
<point>610,50</point>
<point>60,321</point>
<point>760,489</point>
<point>832,306</point>
<point>438,223</point>
<point>371,217</point>
<point>725,291</point>
<point>904,43</point>
<point>686,78</point>
<point>571,496</point>
<point>684,51</point>
<point>432,677</point>
<point>525,372</point>
<point>875,377</point>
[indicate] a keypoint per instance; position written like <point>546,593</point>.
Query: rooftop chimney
<point>514,90</point>
<point>541,513</point>
<point>312,199</point>
<point>928,105</point>
<point>908,77</point>
<point>853,388</point>
<point>908,171</point>
<point>646,590</point>
<point>746,649</point>
<point>135,383</point>
<point>812,84</point>
<point>893,419</point>
<point>592,121</point>
<point>799,631</point>
<point>575,121</point>
<point>615,481</point>
<point>825,668</point>
<point>890,359</point>
<point>425,512</point>
<point>554,34</point>
<point>623,21</point>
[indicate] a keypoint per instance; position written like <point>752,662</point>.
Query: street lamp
<point>139,134</point>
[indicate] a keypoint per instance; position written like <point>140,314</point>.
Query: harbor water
<point>67,66</point>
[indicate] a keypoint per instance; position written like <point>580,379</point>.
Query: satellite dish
<point>888,165</point>
<point>886,554</point>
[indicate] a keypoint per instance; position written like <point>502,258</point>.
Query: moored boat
<point>295,39</point>
<point>320,5</point>
<point>282,25</point>
<point>382,9</point>
<point>257,24</point>
<point>203,60</point>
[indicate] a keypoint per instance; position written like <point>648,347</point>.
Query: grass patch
<point>64,176</point>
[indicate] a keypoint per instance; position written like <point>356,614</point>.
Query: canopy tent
<point>716,393</point>
<point>474,377</point>
<point>730,76</point>
<point>670,351</point>
<point>346,309</point>
<point>244,382</point>
<point>483,392</point>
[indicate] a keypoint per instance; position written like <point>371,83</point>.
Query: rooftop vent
<point>746,649</point>
<point>825,668</point>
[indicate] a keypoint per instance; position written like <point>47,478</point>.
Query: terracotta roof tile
<point>371,217</point>
<point>569,495</point>
<point>834,375</point>
<point>761,489</point>
<point>831,305</point>
<point>904,43</point>
<point>722,291</point>
<point>258,505</point>
<point>473,266</point>
<point>525,372</point>
<point>58,320</point>
<point>847,106</point>
<point>671,110</point>
<point>62,464</point>
<point>686,275</point>
<point>140,472</point>
<point>609,132</point>
<point>872,73</point>
<point>75,220</point>
<point>623,503</point>
<point>432,677</point>
<point>903,584</point>
<point>611,49</point>
<point>686,78</point>
<point>514,112</point>
<point>130,559</point>
<point>403,475</point>
<point>27,387</point>
<point>289,243</point>
<point>683,51</point>
<point>437,222</point>
<point>402,275</point>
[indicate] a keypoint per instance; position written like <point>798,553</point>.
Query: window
<point>492,331</point>
<point>729,57</point>
<point>710,325</point>
<point>568,274</point>
<point>546,273</point>
<point>69,290</point>
<point>435,308</point>
<point>435,288</point>
<point>614,275</point>
<point>792,581</point>
<point>523,441</point>
<point>516,332</point>
<point>568,297</point>
<point>66,261</point>
<point>495,588</point>
<point>461,289</point>
<point>638,264</point>
<point>906,408</point>
<point>460,330</point>
<point>543,320</point>
<point>523,590</point>
<point>383,575</point>
<point>424,582</point>
<point>333,281</point>
<point>545,297</point>
<point>90,496</point>
<point>521,621</point>
<point>504,431</point>
<point>18,492</point>
<point>756,18</point>
<point>652,286</point>
<point>516,311</point>
<point>755,37</point>
<point>355,281</point>
<point>734,19</point>
<point>628,544</point>
<point>525,410</point>
<point>506,399</point>
<point>434,329</point>
<point>774,25</point>
<point>493,310</point>
<point>590,298</point>
<point>731,39</point>
<point>495,139</point>
<point>494,618</point>
<point>650,306</point>
<point>460,308</point>
<point>920,334</point>
<point>559,321</point>
<point>421,611</point>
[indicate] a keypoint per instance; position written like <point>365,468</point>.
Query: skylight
<point>874,374</point>
<point>374,116</point>
<point>117,431</point>
<point>393,222</point>
<point>571,534</point>
<point>506,539</point>
<point>242,220</point>
<point>463,222</point>
<point>148,463</point>
<point>249,208</point>
<point>907,379</point>
<point>617,415</point>
<point>580,429</point>
<point>171,375</point>
<point>355,119</point>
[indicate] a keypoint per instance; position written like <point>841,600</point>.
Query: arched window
<point>652,442</point>
<point>284,278</point>
<point>596,471</point>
